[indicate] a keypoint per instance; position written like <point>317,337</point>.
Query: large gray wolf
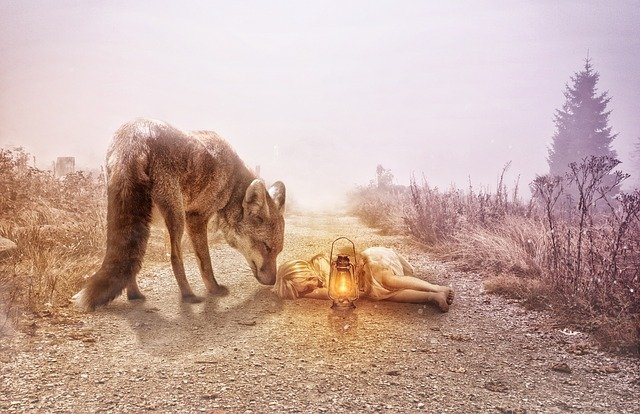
<point>189,178</point>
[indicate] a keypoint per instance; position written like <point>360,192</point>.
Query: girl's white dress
<point>377,261</point>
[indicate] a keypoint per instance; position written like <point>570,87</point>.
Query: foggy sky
<point>318,93</point>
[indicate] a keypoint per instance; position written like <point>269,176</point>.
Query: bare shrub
<point>432,216</point>
<point>594,250</point>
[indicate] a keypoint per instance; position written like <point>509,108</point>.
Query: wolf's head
<point>260,234</point>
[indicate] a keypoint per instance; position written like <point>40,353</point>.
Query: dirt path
<point>251,352</point>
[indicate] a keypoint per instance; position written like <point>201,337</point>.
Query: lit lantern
<point>343,285</point>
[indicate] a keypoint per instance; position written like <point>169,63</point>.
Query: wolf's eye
<point>267,248</point>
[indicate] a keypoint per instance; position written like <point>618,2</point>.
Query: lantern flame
<point>343,287</point>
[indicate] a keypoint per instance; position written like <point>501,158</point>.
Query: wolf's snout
<point>269,280</point>
<point>266,275</point>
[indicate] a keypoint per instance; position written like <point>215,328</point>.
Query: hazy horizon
<point>319,93</point>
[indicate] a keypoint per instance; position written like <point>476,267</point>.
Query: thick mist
<point>318,94</point>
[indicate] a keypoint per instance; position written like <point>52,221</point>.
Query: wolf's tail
<point>128,218</point>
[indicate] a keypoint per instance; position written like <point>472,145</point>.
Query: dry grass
<point>533,292</point>
<point>582,257</point>
<point>58,226</point>
<point>514,246</point>
<point>51,261</point>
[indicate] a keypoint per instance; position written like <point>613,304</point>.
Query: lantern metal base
<point>343,305</point>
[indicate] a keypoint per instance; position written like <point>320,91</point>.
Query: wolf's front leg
<point>197,230</point>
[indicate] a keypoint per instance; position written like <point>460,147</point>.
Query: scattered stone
<point>209,396</point>
<point>561,367</point>
<point>607,369</point>
<point>496,386</point>
<point>458,337</point>
<point>512,410</point>
<point>579,349</point>
<point>393,373</point>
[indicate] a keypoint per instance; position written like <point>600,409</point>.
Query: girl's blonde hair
<point>320,263</point>
<point>292,276</point>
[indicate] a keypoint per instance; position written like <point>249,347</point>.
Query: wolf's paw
<point>136,296</point>
<point>219,290</point>
<point>80,300</point>
<point>191,298</point>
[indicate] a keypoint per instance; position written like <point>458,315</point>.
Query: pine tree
<point>582,126</point>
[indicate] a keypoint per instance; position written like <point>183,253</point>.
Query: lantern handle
<point>355,259</point>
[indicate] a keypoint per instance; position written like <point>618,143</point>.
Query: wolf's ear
<point>278,194</point>
<point>255,199</point>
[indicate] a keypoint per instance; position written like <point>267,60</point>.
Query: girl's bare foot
<point>448,292</point>
<point>450,295</point>
<point>441,300</point>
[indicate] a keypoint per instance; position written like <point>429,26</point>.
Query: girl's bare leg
<point>418,296</point>
<point>409,282</point>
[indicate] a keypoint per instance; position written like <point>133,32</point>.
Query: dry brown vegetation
<point>59,227</point>
<point>574,247</point>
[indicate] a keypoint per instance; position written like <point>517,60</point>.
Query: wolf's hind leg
<point>174,219</point>
<point>197,230</point>
<point>133,291</point>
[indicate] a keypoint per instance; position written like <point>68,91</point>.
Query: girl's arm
<point>318,293</point>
